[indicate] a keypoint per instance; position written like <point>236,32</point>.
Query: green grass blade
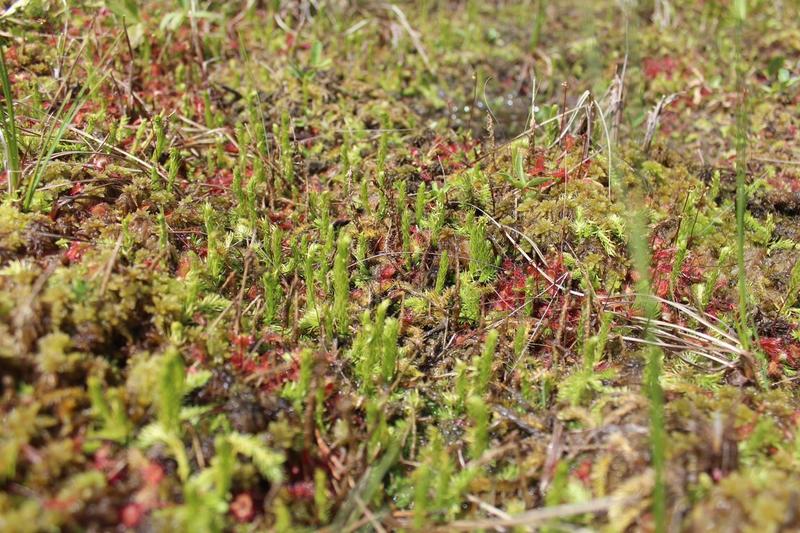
<point>61,123</point>
<point>640,254</point>
<point>9,127</point>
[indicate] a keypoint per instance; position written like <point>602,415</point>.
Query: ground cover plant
<point>436,265</point>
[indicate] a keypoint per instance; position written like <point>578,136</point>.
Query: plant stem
<point>640,255</point>
<point>9,127</point>
<point>741,192</point>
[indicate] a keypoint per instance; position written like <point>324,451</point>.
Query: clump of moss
<point>243,285</point>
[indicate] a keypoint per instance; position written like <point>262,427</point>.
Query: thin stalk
<point>741,191</point>
<point>640,254</point>
<point>9,127</point>
<point>741,144</point>
<point>537,26</point>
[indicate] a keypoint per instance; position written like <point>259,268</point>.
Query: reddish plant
<point>242,508</point>
<point>780,350</point>
<point>152,474</point>
<point>584,472</point>
<point>657,66</point>
<point>538,166</point>
<point>100,210</point>
<point>105,463</point>
<point>75,251</point>
<point>301,490</point>
<point>511,286</point>
<point>132,514</point>
<point>661,272</point>
<point>221,181</point>
<point>387,272</point>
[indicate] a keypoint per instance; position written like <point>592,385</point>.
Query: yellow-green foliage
<point>12,226</point>
<point>323,266</point>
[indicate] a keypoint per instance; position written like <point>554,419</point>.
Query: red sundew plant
<point>76,189</point>
<point>197,353</point>
<point>657,66</point>
<point>785,181</point>
<point>511,285</point>
<point>443,153</point>
<point>220,183</point>
<point>131,515</point>
<point>75,251</point>
<point>538,167</point>
<point>584,472</point>
<point>387,272</point>
<point>113,469</point>
<point>301,490</point>
<point>242,508</point>
<point>780,351</point>
<point>145,500</point>
<point>239,358</point>
<point>268,369</point>
<point>661,271</point>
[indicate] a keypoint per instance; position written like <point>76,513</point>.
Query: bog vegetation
<point>363,266</point>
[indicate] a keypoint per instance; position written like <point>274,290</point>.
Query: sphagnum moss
<point>301,266</point>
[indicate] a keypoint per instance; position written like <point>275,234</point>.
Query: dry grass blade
<point>573,114</point>
<point>127,155</point>
<point>413,35</point>
<point>539,516</point>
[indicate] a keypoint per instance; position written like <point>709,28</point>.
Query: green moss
<point>267,274</point>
